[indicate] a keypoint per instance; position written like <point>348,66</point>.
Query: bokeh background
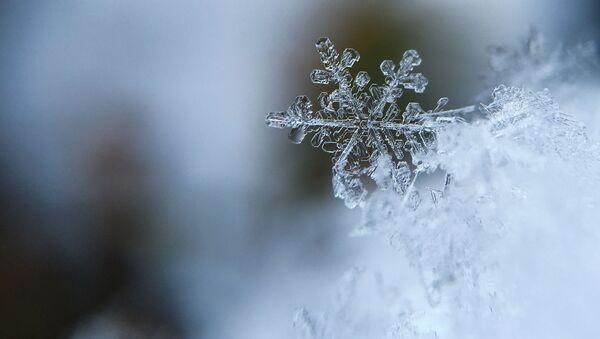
<point>142,194</point>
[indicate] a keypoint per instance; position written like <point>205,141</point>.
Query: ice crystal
<point>531,117</point>
<point>365,129</point>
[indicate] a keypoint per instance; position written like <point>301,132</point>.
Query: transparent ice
<point>365,129</point>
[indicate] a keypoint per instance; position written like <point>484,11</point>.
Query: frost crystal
<point>365,130</point>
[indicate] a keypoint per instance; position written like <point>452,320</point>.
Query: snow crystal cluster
<point>506,247</point>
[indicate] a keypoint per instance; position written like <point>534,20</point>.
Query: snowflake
<point>366,131</point>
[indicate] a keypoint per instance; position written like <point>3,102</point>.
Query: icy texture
<point>535,120</point>
<point>365,130</point>
<point>510,229</point>
<point>489,251</point>
<point>505,171</point>
<point>570,71</point>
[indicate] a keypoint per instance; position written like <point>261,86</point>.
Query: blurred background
<point>143,195</point>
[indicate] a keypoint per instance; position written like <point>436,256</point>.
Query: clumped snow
<point>504,245</point>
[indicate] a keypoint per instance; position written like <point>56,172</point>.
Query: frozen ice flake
<point>365,130</point>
